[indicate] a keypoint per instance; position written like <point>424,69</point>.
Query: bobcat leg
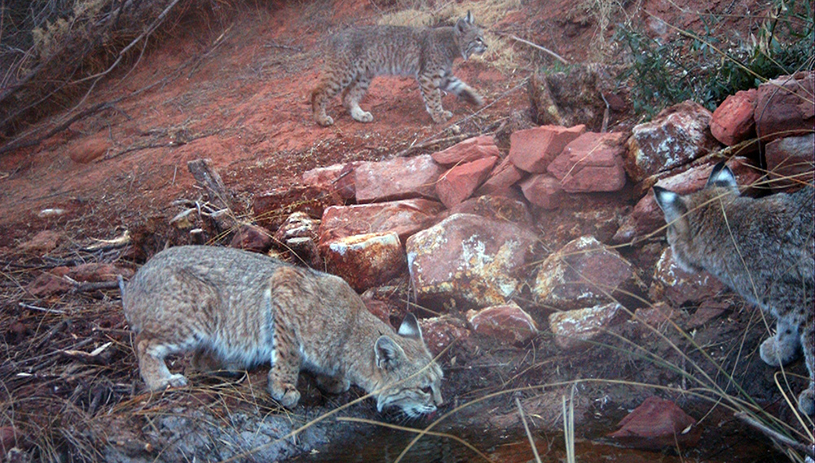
<point>151,353</point>
<point>353,95</point>
<point>782,348</point>
<point>806,400</point>
<point>333,384</point>
<point>432,99</point>
<point>463,91</point>
<point>285,369</point>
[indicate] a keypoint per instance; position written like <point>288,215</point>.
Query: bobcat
<point>235,309</point>
<point>356,56</point>
<point>761,248</point>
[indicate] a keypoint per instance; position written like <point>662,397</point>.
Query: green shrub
<point>707,66</point>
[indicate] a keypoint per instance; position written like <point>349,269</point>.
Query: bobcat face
<point>410,379</point>
<point>469,37</point>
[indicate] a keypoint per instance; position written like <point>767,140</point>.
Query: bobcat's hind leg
<point>782,348</point>
<point>353,94</point>
<point>151,353</point>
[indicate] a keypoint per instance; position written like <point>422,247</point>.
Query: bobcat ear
<point>410,327</point>
<point>671,204</point>
<point>722,176</point>
<point>388,353</point>
<point>463,23</point>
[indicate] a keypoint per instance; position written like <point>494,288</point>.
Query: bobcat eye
<point>427,390</point>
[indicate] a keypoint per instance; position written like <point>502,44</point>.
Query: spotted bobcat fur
<point>355,56</point>
<point>235,309</point>
<point>761,248</point>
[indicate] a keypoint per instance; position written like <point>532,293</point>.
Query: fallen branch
<point>543,49</point>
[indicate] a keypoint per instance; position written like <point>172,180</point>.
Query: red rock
<point>298,225</point>
<point>784,107</point>
<point>48,284</point>
<point>584,273</point>
<point>732,122</point>
<point>440,332</point>
<point>591,163</point>
<point>543,191</point>
<point>657,424</point>
<point>399,178</point>
<point>272,208</point>
<point>657,316</point>
<point>94,272</point>
<point>647,217</point>
<point>9,438</point>
<point>472,259</point>
<point>675,285</point>
<point>574,328</point>
<point>42,243</point>
<point>510,208</point>
<point>676,136</point>
<point>501,178</point>
<point>404,217</point>
<point>338,178</point>
<point>790,162</point>
<point>298,235</point>
<point>506,323</point>
<point>252,238</point>
<point>532,150</point>
<point>461,181</point>
<point>90,148</point>
<point>365,261</point>
<point>380,309</point>
<point>467,151</point>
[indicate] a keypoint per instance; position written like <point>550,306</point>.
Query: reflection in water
<point>385,445</point>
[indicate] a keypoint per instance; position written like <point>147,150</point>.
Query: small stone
<point>543,190</point>
<point>657,424</point>
<point>365,261</point>
<point>461,181</point>
<point>42,243</point>
<point>400,178</point>
<point>440,332</point>
<point>732,122</point>
<point>252,238</point>
<point>467,151</point>
<point>506,323</point>
<point>574,328</point>
<point>591,163</point>
<point>532,150</point>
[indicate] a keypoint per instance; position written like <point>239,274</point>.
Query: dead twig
<point>543,49</point>
<point>41,309</point>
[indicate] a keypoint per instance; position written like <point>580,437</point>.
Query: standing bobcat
<point>355,56</point>
<point>762,248</point>
<point>235,309</point>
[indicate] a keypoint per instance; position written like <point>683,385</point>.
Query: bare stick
<point>208,178</point>
<point>543,49</point>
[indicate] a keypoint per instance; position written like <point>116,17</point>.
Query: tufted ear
<point>721,176</point>
<point>388,353</point>
<point>671,204</point>
<point>463,23</point>
<point>410,327</point>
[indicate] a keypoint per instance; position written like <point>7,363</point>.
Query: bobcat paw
<point>286,394</point>
<point>324,121</point>
<point>444,116</point>
<point>176,380</point>
<point>776,353</point>
<point>806,401</point>
<point>361,116</point>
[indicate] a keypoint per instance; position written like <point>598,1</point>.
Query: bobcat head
<point>408,378</point>
<point>684,215</point>
<point>469,37</point>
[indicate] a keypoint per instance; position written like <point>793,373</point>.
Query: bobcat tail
<point>121,285</point>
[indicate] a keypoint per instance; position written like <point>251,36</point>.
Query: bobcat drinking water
<point>355,56</point>
<point>762,248</point>
<point>235,309</point>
